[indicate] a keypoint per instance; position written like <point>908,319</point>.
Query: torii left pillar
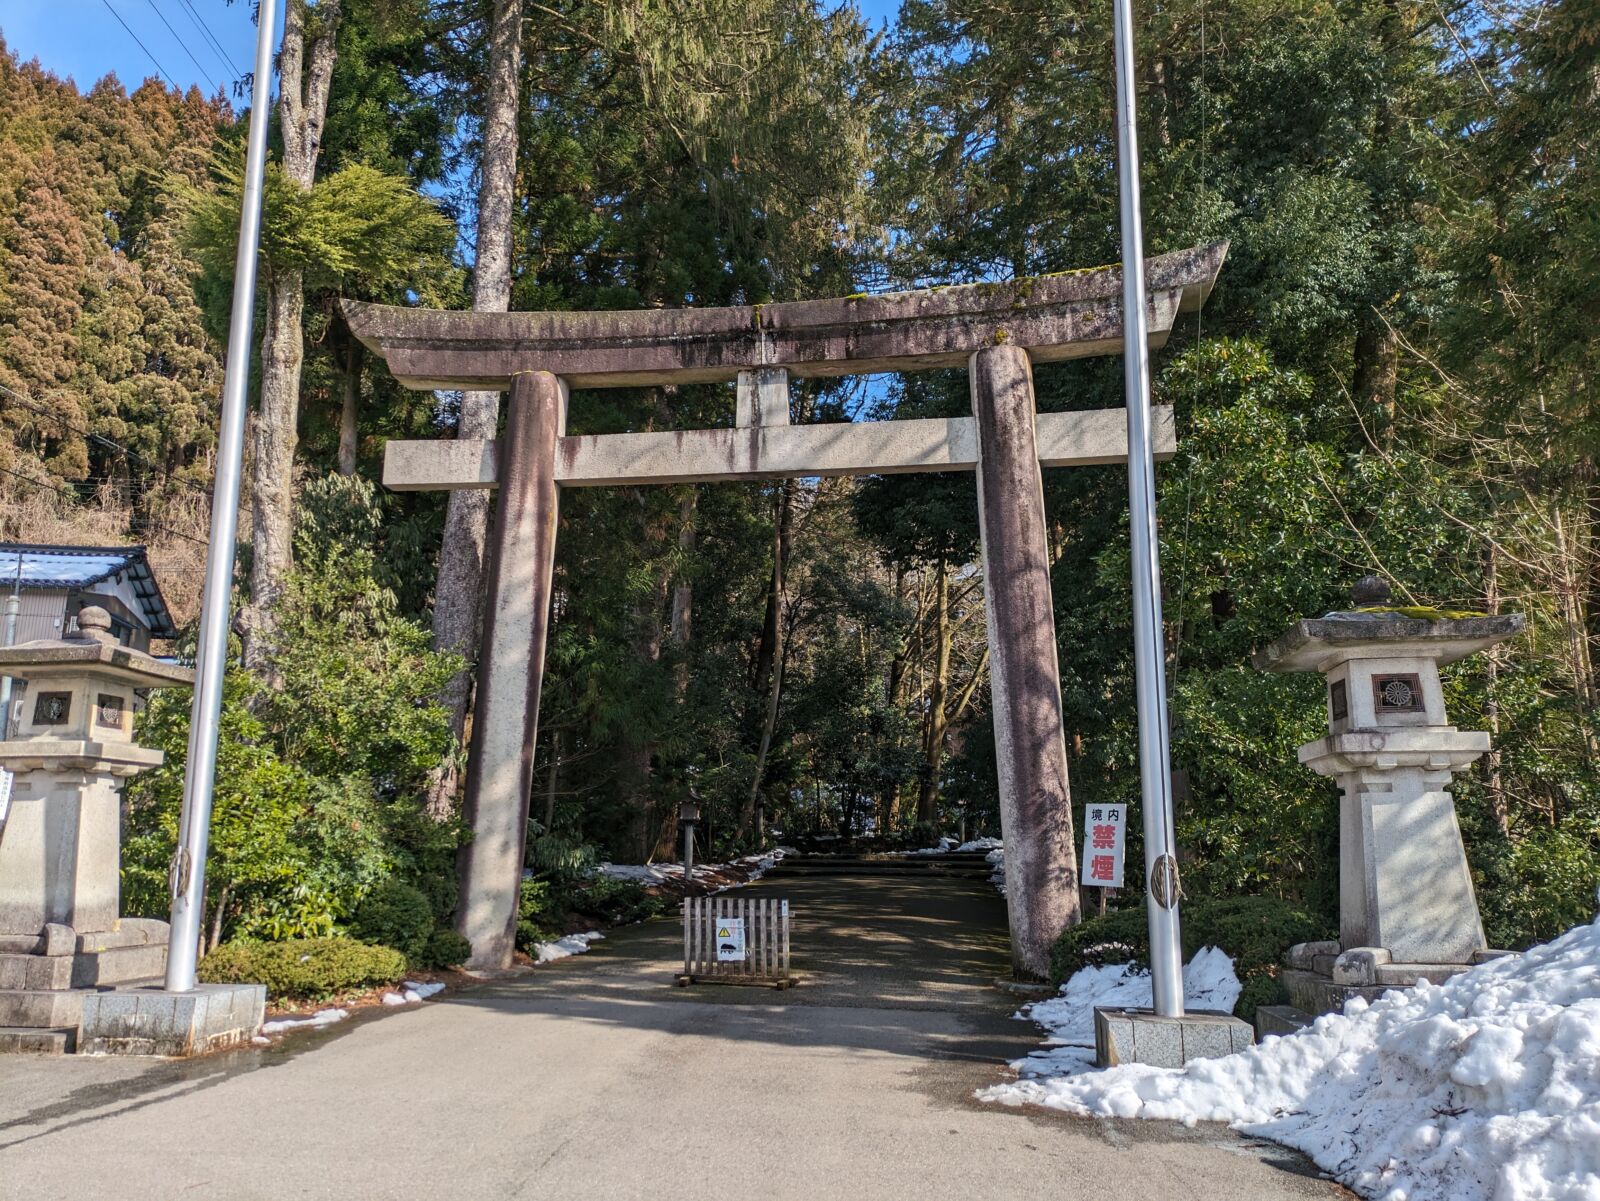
<point>515,623</point>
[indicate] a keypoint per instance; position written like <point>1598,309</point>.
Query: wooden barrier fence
<point>766,941</point>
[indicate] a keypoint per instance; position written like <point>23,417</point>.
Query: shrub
<point>445,948</point>
<point>394,914</point>
<point>1255,931</point>
<point>303,969</point>
<point>614,902</point>
<point>536,915</point>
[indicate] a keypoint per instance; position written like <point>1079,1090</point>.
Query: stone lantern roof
<point>1377,629</point>
<point>92,651</point>
<point>1312,641</point>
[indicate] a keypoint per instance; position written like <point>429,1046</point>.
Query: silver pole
<point>1149,652</point>
<point>13,605</point>
<point>188,875</point>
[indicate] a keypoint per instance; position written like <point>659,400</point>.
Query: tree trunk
<point>347,412</point>
<point>305,72</point>
<point>458,594</point>
<point>934,727</point>
<point>1377,369</point>
<point>273,439</point>
<point>1493,783</point>
<point>769,669</point>
<point>683,591</point>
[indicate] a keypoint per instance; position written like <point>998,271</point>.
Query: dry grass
<point>173,528</point>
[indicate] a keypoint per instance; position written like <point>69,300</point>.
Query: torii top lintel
<point>1074,314</point>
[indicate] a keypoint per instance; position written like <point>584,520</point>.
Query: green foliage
<point>319,784</point>
<point>357,229</point>
<point>560,859</point>
<point>445,948</point>
<point>1255,931</point>
<point>537,918</point>
<point>394,914</point>
<point>303,969</point>
<point>613,902</point>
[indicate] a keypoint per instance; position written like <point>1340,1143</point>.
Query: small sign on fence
<point>735,940</point>
<point>730,940</point>
<point>1104,833</point>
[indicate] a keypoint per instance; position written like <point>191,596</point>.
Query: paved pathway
<point>594,1078</point>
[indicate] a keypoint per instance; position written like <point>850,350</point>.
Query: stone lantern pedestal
<point>69,960</point>
<point>1407,910</point>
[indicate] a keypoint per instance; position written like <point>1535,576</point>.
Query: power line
<point>162,18</point>
<point>141,45</point>
<point>32,405</point>
<point>205,30</point>
<point>78,500</point>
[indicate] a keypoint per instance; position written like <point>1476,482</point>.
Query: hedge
<point>1255,931</point>
<point>304,969</point>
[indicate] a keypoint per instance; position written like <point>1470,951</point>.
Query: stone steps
<point>30,1040</point>
<point>963,866</point>
<point>40,1008</point>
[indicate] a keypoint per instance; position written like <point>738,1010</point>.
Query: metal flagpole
<point>187,879</point>
<point>13,605</point>
<point>1149,652</point>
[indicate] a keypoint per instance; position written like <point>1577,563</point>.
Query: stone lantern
<point>65,948</point>
<point>1407,910</point>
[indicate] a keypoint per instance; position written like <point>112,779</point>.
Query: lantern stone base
<point>98,993</point>
<point>1140,1036</point>
<point>1320,977</point>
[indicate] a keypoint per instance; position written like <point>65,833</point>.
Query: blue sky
<point>81,38</point>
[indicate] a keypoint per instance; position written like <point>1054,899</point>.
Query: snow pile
<point>323,1017</point>
<point>948,844</point>
<point>572,944</point>
<point>997,860</point>
<point>755,866</point>
<point>1485,1087</point>
<point>414,992</point>
<point>1209,982</point>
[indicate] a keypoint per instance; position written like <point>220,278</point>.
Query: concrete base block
<point>1273,1020</point>
<point>150,1021</point>
<point>1139,1036</point>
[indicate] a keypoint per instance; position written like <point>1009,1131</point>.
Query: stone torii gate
<point>998,330</point>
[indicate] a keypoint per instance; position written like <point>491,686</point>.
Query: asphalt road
<point>596,1078</point>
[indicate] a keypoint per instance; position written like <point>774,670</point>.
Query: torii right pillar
<point>1024,676</point>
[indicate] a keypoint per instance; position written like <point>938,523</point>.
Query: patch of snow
<point>658,873</point>
<point>261,1040</point>
<point>322,1017</point>
<point>421,992</point>
<point>1209,982</point>
<point>997,860</point>
<point>394,998</point>
<point>1484,1088</point>
<point>572,944</point>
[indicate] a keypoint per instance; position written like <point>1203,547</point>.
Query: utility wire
<point>78,500</point>
<point>205,31</point>
<point>141,45</point>
<point>204,73</point>
<point>28,403</point>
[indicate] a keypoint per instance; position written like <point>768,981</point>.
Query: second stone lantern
<point>1407,910</point>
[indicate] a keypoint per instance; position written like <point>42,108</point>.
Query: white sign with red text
<point>1104,828</point>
